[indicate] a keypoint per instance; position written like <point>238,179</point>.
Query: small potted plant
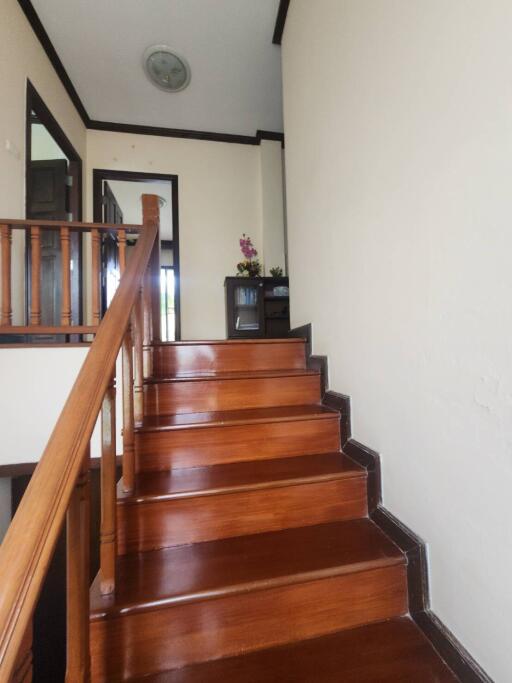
<point>249,267</point>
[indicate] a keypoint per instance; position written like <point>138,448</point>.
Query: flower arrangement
<point>248,267</point>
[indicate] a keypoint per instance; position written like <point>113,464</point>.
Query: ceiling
<point>236,70</point>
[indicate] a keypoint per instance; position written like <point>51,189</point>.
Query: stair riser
<point>168,398</point>
<point>157,524</point>
<point>195,447</point>
<point>233,357</point>
<point>168,638</point>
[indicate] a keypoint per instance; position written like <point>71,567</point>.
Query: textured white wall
<point>399,165</point>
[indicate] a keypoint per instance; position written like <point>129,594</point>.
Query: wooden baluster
<point>121,238</point>
<point>151,214</point>
<point>108,491</point>
<point>128,436</point>
<point>147,350</point>
<point>35,276</point>
<point>78,549</point>
<point>138,391</point>
<point>6,243</point>
<point>95,268</point>
<point>65,315</point>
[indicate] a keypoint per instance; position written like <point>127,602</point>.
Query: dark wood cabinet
<point>257,307</point>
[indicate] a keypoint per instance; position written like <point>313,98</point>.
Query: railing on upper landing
<point>32,230</point>
<point>59,488</point>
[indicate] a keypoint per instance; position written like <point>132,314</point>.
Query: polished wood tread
<point>237,417</point>
<point>240,476</point>
<point>236,375</point>
<point>231,342</point>
<point>393,651</point>
<point>159,579</point>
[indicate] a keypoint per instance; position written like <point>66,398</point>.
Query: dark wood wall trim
<point>36,103</point>
<point>414,548</point>
<point>113,127</point>
<point>187,134</point>
<point>282,13</point>
<point>313,362</point>
<point>101,174</point>
<point>54,58</point>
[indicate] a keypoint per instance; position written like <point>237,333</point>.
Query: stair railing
<point>59,488</point>
<point>31,230</point>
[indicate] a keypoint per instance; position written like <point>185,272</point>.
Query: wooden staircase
<point>245,551</point>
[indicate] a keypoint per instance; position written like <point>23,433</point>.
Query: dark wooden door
<point>113,215</point>
<point>48,198</point>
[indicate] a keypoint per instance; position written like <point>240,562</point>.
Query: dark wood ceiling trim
<point>280,21</point>
<point>92,124</point>
<point>269,135</point>
<point>172,132</point>
<point>54,58</point>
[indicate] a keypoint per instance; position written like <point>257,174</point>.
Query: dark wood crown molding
<point>282,13</point>
<point>92,124</point>
<point>187,134</point>
<point>47,45</point>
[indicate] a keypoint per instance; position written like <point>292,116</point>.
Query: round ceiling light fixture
<point>166,69</point>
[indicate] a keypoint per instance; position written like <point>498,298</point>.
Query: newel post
<point>151,214</point>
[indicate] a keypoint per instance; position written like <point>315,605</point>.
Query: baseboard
<point>313,362</point>
<point>444,642</point>
<point>449,649</point>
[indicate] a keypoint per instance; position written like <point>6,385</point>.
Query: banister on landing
<point>59,485</point>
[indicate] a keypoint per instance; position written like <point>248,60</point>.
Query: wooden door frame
<point>101,174</point>
<point>44,115</point>
<point>34,102</point>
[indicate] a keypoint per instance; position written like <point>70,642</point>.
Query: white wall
<point>398,120</point>
<point>219,199</point>
<point>22,57</point>
<point>35,385</point>
<point>272,204</point>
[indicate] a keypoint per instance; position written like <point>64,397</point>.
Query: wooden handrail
<point>57,225</point>
<point>28,546</point>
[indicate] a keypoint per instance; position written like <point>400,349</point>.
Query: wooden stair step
<point>214,375</point>
<point>198,571</point>
<point>393,651</point>
<point>228,418</point>
<point>196,439</point>
<point>229,355</point>
<point>209,600</point>
<point>205,503</point>
<point>247,475</point>
<point>191,392</point>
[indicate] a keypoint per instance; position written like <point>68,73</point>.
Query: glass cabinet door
<point>246,307</point>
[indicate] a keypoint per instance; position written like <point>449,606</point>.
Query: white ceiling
<point>236,70</point>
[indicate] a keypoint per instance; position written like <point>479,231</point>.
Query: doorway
<point>117,199</point>
<point>53,192</point>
